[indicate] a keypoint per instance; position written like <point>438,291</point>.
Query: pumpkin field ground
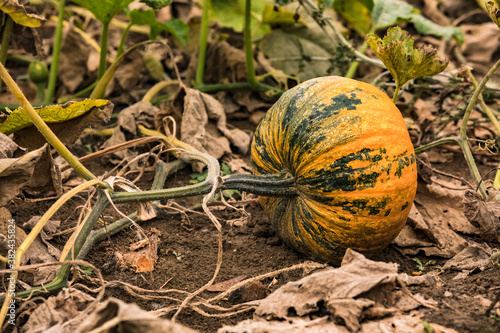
<point>187,256</point>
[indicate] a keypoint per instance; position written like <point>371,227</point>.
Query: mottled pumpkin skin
<point>348,148</point>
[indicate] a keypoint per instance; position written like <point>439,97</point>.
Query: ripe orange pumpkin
<point>346,146</point>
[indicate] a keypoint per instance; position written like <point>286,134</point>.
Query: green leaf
<point>157,4</point>
<point>357,13</point>
<point>87,269</point>
<point>17,120</point>
<point>225,169</point>
<point>427,27</point>
<point>104,10</point>
<point>401,59</point>
<point>492,9</point>
<point>387,13</point>
<point>176,27</point>
<point>303,52</point>
<point>19,15</point>
<point>231,13</point>
<point>142,17</point>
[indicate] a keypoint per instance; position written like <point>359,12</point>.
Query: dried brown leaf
<point>437,217</point>
<point>127,318</point>
<point>140,113</point>
<point>7,147</point>
<point>471,257</point>
<point>480,45</point>
<point>203,124</point>
<point>357,275</point>
<point>56,311</point>
<point>484,215</point>
<point>15,173</point>
<point>73,61</point>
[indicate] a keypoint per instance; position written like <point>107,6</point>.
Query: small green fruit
<point>38,72</point>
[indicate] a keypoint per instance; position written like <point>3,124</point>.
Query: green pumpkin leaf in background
<point>176,27</point>
<point>400,57</point>
<point>142,17</point>
<point>19,15</point>
<point>494,13</point>
<point>157,4</point>
<point>358,13</point>
<point>231,13</point>
<point>387,13</point>
<point>104,10</point>
<point>427,27</point>
<point>370,15</point>
<point>17,120</point>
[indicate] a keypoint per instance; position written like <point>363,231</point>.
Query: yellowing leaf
<point>17,120</point>
<point>277,15</point>
<point>401,59</point>
<point>357,13</point>
<point>19,14</point>
<point>494,12</point>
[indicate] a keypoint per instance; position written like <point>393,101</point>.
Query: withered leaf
<point>18,13</point>
<point>15,173</point>
<point>483,215</point>
<point>203,124</point>
<point>494,12</point>
<point>18,120</point>
<point>128,318</point>
<point>401,59</point>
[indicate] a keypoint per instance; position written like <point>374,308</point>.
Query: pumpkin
<point>347,147</point>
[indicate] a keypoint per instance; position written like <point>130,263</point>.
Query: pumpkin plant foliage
<point>347,147</point>
<point>400,57</point>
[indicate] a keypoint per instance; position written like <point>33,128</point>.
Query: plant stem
<point>493,119</point>
<point>247,40</point>
<point>396,93</point>
<point>424,148</point>
<point>485,107</point>
<point>354,65</point>
<point>80,93</point>
<point>34,233</point>
<point>119,51</point>
<point>43,128</point>
<point>178,192</point>
<point>99,89</point>
<point>309,4</point>
<point>56,51</point>
<point>40,88</point>
<point>463,130</point>
<point>157,88</point>
<point>104,50</point>
<point>208,88</point>
<point>4,48</point>
<point>272,185</point>
<point>202,49</point>
<point>162,172</point>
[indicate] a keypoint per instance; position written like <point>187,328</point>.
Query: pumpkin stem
<point>270,185</point>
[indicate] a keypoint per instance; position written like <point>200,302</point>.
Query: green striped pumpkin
<point>347,146</point>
